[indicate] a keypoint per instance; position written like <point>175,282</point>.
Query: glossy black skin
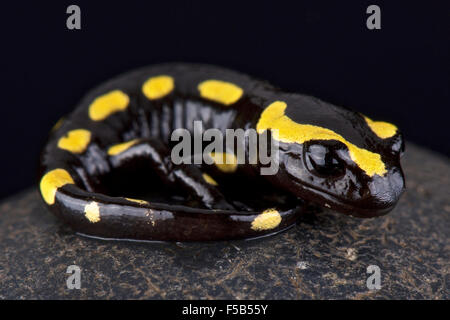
<point>340,184</point>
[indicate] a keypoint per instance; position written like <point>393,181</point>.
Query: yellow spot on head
<point>121,147</point>
<point>220,91</point>
<point>382,129</point>
<point>225,162</point>
<point>286,130</point>
<point>75,141</point>
<point>137,201</point>
<point>53,180</point>
<point>158,87</point>
<point>107,104</point>
<point>210,180</point>
<point>92,212</point>
<point>267,220</point>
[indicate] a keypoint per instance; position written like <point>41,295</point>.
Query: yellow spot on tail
<point>137,201</point>
<point>286,130</point>
<point>92,212</point>
<point>107,104</point>
<point>158,87</point>
<point>209,179</point>
<point>220,91</point>
<point>267,220</point>
<point>225,162</point>
<point>75,141</point>
<point>121,147</point>
<point>382,129</point>
<point>53,180</point>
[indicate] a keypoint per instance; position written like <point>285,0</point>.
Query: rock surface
<point>325,256</point>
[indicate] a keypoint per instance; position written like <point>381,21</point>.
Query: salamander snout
<point>383,193</point>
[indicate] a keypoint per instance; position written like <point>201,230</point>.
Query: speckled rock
<point>325,256</point>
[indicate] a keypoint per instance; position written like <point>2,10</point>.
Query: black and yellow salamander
<point>105,158</point>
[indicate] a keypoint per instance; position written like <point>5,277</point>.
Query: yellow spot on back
<point>158,87</point>
<point>286,130</point>
<point>382,129</point>
<point>75,141</point>
<point>267,220</point>
<point>220,91</point>
<point>92,212</point>
<point>225,162</point>
<point>209,179</point>
<point>107,104</point>
<point>53,180</point>
<point>121,147</point>
<point>137,201</point>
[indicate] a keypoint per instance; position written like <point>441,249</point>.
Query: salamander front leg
<point>187,176</point>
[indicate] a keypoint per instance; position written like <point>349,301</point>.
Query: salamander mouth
<point>328,200</point>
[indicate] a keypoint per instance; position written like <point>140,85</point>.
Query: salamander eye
<point>323,160</point>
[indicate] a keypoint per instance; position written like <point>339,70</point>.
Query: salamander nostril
<point>385,191</point>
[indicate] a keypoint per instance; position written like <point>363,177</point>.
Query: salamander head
<point>335,157</point>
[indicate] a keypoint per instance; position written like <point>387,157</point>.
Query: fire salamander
<point>117,144</point>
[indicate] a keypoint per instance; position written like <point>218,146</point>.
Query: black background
<point>399,73</point>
